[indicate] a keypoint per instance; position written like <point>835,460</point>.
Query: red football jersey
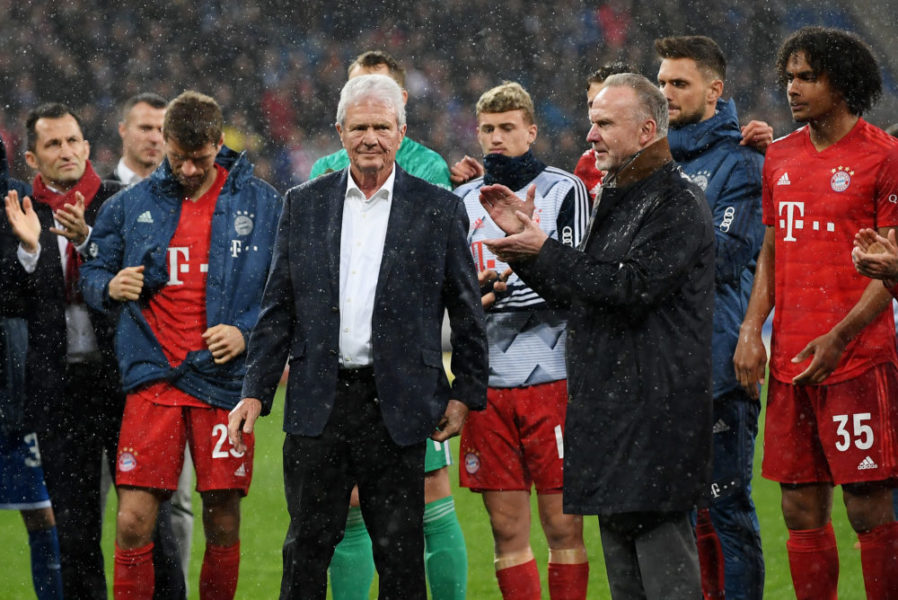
<point>816,202</point>
<point>588,173</point>
<point>177,313</point>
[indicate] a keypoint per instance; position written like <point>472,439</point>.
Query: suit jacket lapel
<point>334,226</point>
<point>398,229</point>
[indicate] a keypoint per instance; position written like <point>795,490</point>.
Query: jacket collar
<point>238,166</point>
<point>644,163</point>
<point>514,172</point>
<point>691,141</point>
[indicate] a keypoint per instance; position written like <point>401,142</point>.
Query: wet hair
<point>193,120</point>
<point>503,98</point>
<point>703,50</point>
<point>50,110</point>
<point>154,100</point>
<point>652,103</point>
<point>373,58</point>
<point>843,57</point>
<point>606,71</point>
<point>381,87</point>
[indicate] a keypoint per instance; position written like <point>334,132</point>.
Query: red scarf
<point>88,185</point>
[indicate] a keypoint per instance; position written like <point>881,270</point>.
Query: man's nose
<point>593,135</point>
<point>370,137</point>
<point>188,168</point>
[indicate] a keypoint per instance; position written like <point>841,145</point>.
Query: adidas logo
<point>867,463</point>
<point>145,217</point>
<point>784,180</point>
<point>720,427</point>
<point>241,470</point>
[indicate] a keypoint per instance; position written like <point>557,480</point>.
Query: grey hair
<point>381,87</point>
<point>651,102</point>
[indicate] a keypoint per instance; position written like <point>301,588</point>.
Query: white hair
<point>380,87</point>
<point>651,102</point>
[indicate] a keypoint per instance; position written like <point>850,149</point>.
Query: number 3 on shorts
<point>222,432</point>
<point>863,433</point>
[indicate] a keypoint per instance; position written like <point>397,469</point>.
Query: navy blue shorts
<point>21,477</point>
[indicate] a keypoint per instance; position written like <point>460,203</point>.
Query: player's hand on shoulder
<point>127,284</point>
<point>757,135</point>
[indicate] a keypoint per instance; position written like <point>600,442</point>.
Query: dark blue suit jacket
<point>426,267</point>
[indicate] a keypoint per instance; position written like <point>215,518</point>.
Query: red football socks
<point>710,556</point>
<point>218,577</point>
<point>814,562</point>
<point>568,581</point>
<point>879,559</point>
<point>133,579</point>
<point>520,582</point>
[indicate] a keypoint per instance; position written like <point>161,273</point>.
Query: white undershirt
<point>362,238</point>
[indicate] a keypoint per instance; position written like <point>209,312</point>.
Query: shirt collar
<point>126,175</point>
<point>385,191</point>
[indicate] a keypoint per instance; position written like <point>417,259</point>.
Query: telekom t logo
<point>792,219</point>
<point>177,264</point>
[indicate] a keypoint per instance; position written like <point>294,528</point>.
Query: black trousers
<point>319,472</point>
<point>650,556</point>
<point>72,445</point>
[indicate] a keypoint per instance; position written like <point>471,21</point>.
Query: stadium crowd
<point>273,65</point>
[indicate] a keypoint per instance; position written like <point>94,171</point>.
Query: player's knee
<point>510,532</point>
<point>134,527</point>
<point>868,506</point>
<point>38,519</point>
<point>563,531</point>
<point>806,506</point>
<point>221,518</point>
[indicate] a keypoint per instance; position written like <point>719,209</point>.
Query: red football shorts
<point>151,447</point>
<point>840,433</point>
<point>517,441</point>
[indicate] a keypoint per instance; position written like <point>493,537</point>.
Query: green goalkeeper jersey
<point>414,158</point>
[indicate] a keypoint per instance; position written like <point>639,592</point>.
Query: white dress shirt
<point>361,249</point>
<point>126,175</point>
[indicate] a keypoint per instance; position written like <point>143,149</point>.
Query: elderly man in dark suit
<point>366,261</point>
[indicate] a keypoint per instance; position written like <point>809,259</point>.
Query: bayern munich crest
<point>701,178</point>
<point>126,462</point>
<point>472,463</point>
<point>841,179</point>
<point>243,223</point>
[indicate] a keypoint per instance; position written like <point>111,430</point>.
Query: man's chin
<point>189,188</point>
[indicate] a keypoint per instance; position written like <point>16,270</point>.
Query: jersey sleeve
<point>573,215</point>
<point>887,190</point>
<point>768,212</point>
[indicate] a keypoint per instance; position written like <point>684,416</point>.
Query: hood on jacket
<point>692,140</point>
